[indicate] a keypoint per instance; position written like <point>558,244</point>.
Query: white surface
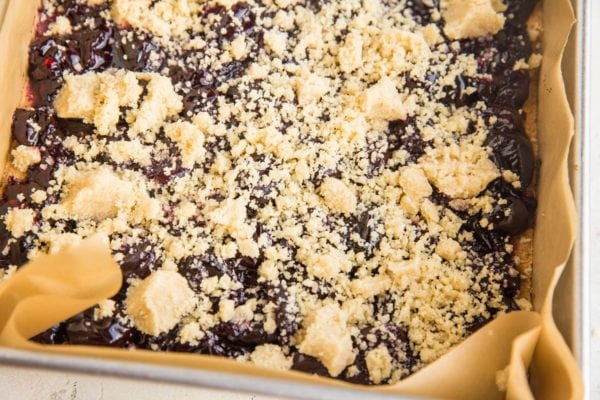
<point>21,384</point>
<point>594,383</point>
<point>17,384</point>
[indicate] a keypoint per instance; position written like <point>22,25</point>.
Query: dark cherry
<point>78,12</point>
<point>422,10</point>
<point>305,363</point>
<point>246,270</point>
<point>458,93</point>
<point>19,250</point>
<point>94,48</point>
<point>220,346</point>
<point>517,220</point>
<point>138,259</point>
<point>84,329</point>
<point>46,58</point>
<point>54,335</point>
<point>166,341</point>
<point>513,90</point>
<point>515,153</point>
<point>197,268</point>
<point>507,120</point>
<point>73,127</point>
<point>43,91</point>
<point>23,130</point>
<point>394,338</point>
<point>20,193</point>
<point>364,225</point>
<point>519,10</point>
<point>485,241</point>
<point>244,332</point>
<point>404,134</point>
<point>478,322</point>
<point>135,54</point>
<point>41,174</point>
<point>511,286</point>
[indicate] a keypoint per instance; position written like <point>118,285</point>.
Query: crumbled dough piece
<point>328,339</point>
<point>99,194</point>
<point>97,97</point>
<point>397,270</point>
<point>370,286</point>
<point>327,266</point>
<point>449,249</point>
<point>350,54</point>
<point>189,139</point>
<point>160,103</point>
<point>191,333</point>
<point>158,303</point>
<point>226,309</point>
<point>271,356</point>
<point>382,101</point>
<point>414,183</point>
<point>397,45</point>
<point>105,309</point>
<point>310,88</point>
<point>338,196</point>
<point>19,221</point>
<point>379,364</point>
<point>459,171</point>
<point>130,150</point>
<point>276,41</point>
<point>432,35</point>
<point>61,26</point>
<point>25,156</point>
<point>162,17</point>
<point>238,48</point>
<point>231,215</point>
<point>39,196</point>
<point>472,18</point>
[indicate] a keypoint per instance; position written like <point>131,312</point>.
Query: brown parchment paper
<point>525,344</point>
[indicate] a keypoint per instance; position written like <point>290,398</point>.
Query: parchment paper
<point>53,288</point>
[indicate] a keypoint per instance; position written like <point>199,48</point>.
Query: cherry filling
<point>504,91</point>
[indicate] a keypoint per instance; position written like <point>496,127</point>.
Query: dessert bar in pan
<point>344,188</point>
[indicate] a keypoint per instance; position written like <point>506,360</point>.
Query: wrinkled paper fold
<point>53,288</point>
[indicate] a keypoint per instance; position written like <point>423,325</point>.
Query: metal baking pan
<point>570,302</point>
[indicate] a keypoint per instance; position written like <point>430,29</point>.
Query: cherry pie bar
<point>341,187</point>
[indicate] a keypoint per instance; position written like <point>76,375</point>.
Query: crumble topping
<point>327,338</point>
<point>19,221</point>
<point>270,356</point>
<point>105,309</point>
<point>157,304</point>
<point>97,98</point>
<point>382,101</point>
<point>459,171</point>
<point>472,18</point>
<point>24,157</point>
<point>307,185</point>
<point>62,26</point>
<point>379,364</point>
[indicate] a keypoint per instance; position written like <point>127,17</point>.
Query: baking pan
<point>570,304</point>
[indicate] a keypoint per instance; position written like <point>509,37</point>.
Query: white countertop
<point>24,384</point>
